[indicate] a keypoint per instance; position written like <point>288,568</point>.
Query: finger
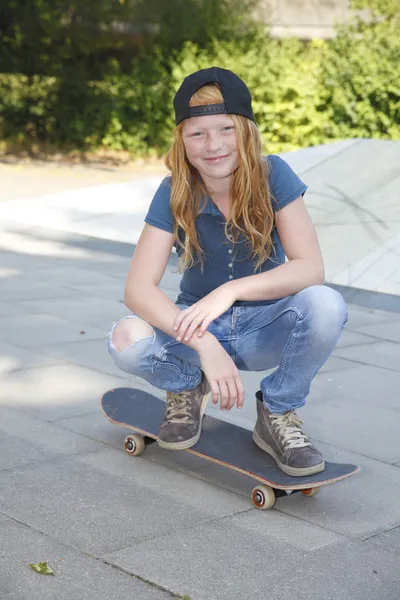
<point>179,318</point>
<point>232,394</point>
<point>224,394</point>
<point>192,328</point>
<point>184,326</point>
<point>205,324</point>
<point>215,391</point>
<point>240,391</point>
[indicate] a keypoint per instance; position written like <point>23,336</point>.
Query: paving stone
<point>356,425</point>
<point>26,440</point>
<point>172,294</point>
<point>112,291</point>
<point>30,245</point>
<point>78,576</point>
<point>103,261</point>
<point>336,364</point>
<point>88,353</point>
<point>381,354</point>
<point>365,382</point>
<point>386,331</point>
<point>17,289</point>
<point>56,392</point>
<point>28,330</point>
<point>71,275</point>
<point>360,318</point>
<point>98,312</point>
<point>13,358</point>
<point>353,339</point>
<point>17,261</point>
<point>10,309</point>
<point>388,539</point>
<point>102,504</point>
<point>171,277</point>
<point>237,558</point>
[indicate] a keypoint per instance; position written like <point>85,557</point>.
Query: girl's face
<point>211,146</point>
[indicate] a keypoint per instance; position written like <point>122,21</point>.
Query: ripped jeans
<point>296,335</point>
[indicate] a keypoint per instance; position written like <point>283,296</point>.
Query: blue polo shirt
<point>224,260</point>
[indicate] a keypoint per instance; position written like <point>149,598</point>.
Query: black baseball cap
<point>236,94</point>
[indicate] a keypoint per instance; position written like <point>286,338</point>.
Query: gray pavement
<point>168,524</point>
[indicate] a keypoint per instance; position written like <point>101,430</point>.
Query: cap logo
<point>208,109</point>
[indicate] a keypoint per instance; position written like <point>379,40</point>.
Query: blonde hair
<point>251,210</point>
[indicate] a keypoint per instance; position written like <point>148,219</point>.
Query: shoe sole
<point>192,441</point>
<point>295,472</point>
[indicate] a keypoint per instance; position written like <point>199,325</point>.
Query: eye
<point>228,128</point>
<point>196,134</point>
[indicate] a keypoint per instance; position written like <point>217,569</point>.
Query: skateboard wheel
<point>134,445</point>
<point>311,491</point>
<point>263,497</point>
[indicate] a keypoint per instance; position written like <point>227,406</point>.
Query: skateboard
<point>223,443</point>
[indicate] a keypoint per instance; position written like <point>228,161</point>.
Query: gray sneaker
<point>281,437</point>
<point>184,412</point>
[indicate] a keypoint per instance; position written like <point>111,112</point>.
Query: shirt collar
<point>210,209</point>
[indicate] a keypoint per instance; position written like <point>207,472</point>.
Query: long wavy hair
<point>251,212</point>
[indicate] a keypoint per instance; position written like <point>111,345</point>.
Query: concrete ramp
<point>354,201</point>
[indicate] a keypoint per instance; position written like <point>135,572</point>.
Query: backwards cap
<point>237,97</point>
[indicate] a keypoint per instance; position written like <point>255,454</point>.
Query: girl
<point>232,215</point>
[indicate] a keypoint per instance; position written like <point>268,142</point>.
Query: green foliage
<point>139,116</point>
<point>56,37</point>
<point>303,94</point>
<point>176,22</point>
<point>26,104</point>
<point>360,75</point>
<point>388,9</point>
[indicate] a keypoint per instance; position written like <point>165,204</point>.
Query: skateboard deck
<point>223,443</point>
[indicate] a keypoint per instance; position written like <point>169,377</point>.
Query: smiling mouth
<point>215,158</point>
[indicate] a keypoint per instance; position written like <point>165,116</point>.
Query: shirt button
<point>230,276</point>
<point>230,265</point>
<point>230,250</point>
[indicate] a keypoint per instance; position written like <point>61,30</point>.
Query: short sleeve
<point>285,185</point>
<point>159,213</point>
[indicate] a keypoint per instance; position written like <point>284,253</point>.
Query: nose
<point>214,143</point>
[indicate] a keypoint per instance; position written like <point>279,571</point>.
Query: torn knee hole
<point>130,331</point>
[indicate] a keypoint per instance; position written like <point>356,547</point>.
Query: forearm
<point>285,280</point>
<point>152,305</point>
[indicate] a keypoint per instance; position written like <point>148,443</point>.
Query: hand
<point>202,313</point>
<point>222,375</point>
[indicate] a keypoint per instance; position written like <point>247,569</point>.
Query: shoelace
<point>288,428</point>
<point>178,408</point>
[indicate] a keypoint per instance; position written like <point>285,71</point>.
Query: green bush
<point>140,118</point>
<point>26,106</point>
<point>120,112</point>
<point>359,78</point>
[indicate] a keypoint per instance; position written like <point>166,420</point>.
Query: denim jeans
<point>296,335</point>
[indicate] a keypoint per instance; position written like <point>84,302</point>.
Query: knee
<point>130,330</point>
<point>325,308</point>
